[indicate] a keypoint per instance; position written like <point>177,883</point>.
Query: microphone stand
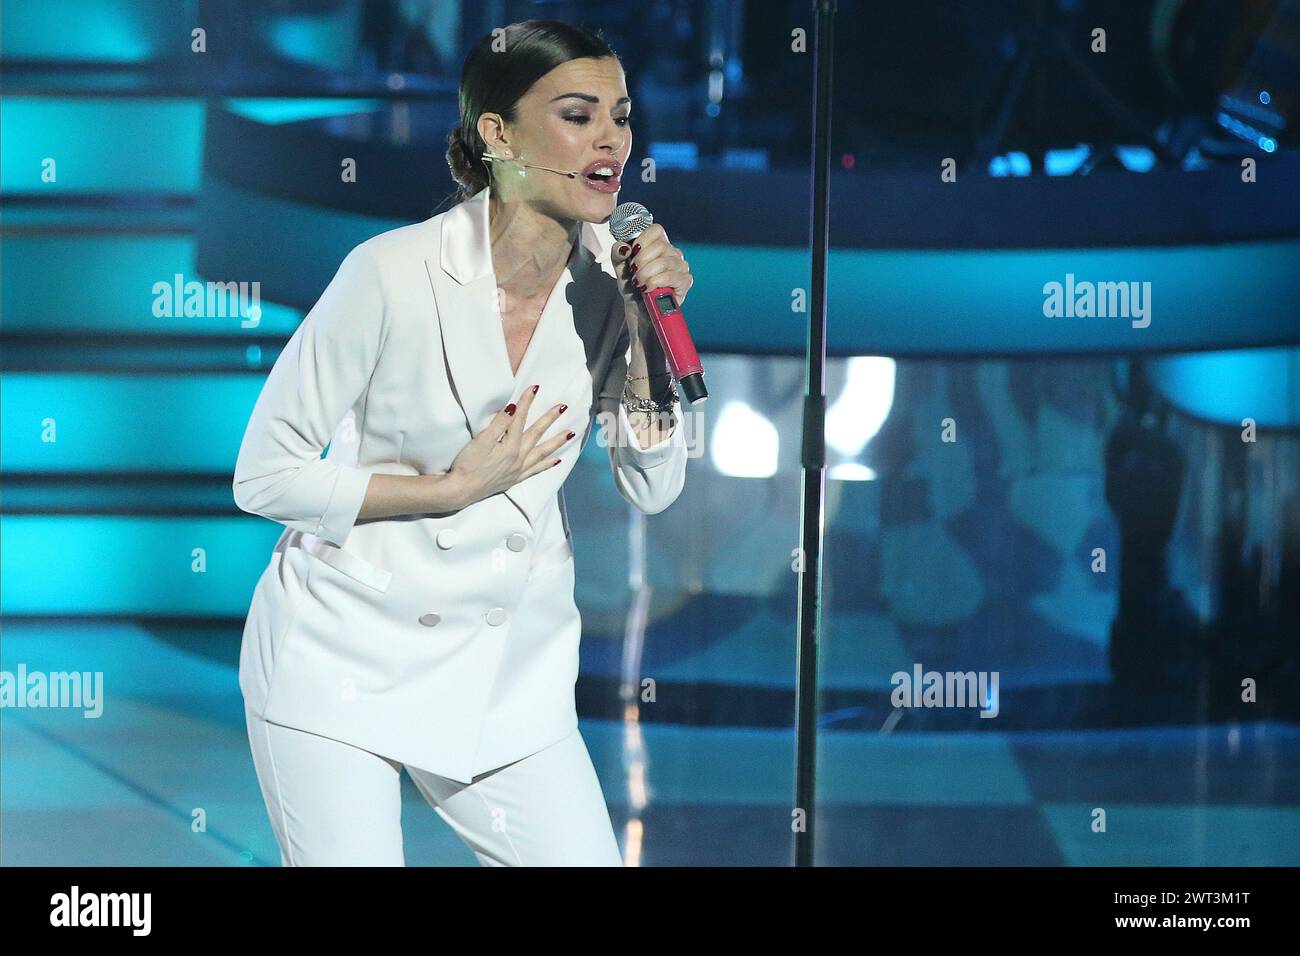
<point>813,454</point>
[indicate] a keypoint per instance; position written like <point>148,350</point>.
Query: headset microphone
<point>489,157</point>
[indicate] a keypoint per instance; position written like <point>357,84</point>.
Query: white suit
<point>446,642</point>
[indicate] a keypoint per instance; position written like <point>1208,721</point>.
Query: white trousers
<point>333,804</point>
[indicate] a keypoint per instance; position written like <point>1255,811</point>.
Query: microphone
<point>626,223</point>
<point>563,172</point>
<point>489,157</point>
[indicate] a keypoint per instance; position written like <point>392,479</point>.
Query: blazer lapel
<point>464,288</point>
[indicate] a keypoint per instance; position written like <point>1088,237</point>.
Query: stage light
<point>862,406</point>
<point>1065,162</point>
<point>745,444</point>
<point>1136,159</point>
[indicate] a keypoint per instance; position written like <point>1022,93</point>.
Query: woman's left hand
<point>651,262</point>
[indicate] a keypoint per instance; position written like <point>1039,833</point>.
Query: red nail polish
<point>510,409</point>
<point>555,461</point>
<point>535,388</point>
<point>634,267</point>
<point>568,436</point>
<point>635,248</point>
<point>564,408</point>
<point>622,250</point>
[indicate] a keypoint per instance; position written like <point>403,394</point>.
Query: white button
<point>447,538</point>
<point>496,616</point>
<point>430,619</point>
<point>516,542</point>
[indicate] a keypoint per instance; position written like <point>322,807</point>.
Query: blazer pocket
<point>349,565</point>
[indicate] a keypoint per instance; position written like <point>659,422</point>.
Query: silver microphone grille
<point>629,220</point>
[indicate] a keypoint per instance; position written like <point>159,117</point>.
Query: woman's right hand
<point>487,466</point>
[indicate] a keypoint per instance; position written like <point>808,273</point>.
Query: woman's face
<point>575,117</point>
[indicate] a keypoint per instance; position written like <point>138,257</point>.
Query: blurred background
<point>1104,513</point>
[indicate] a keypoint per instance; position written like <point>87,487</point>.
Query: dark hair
<point>494,80</point>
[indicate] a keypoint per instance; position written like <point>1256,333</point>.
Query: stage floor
<point>123,788</point>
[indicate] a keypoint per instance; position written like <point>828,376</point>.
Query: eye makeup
<point>582,119</point>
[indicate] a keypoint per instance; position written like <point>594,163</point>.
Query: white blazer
<point>448,642</point>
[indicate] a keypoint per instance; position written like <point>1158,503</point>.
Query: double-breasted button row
<point>447,538</point>
<point>497,616</point>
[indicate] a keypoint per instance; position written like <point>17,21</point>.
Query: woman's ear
<point>492,129</point>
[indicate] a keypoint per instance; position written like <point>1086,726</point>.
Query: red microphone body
<point>670,325</point>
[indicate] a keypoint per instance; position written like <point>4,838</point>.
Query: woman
<point>418,610</point>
